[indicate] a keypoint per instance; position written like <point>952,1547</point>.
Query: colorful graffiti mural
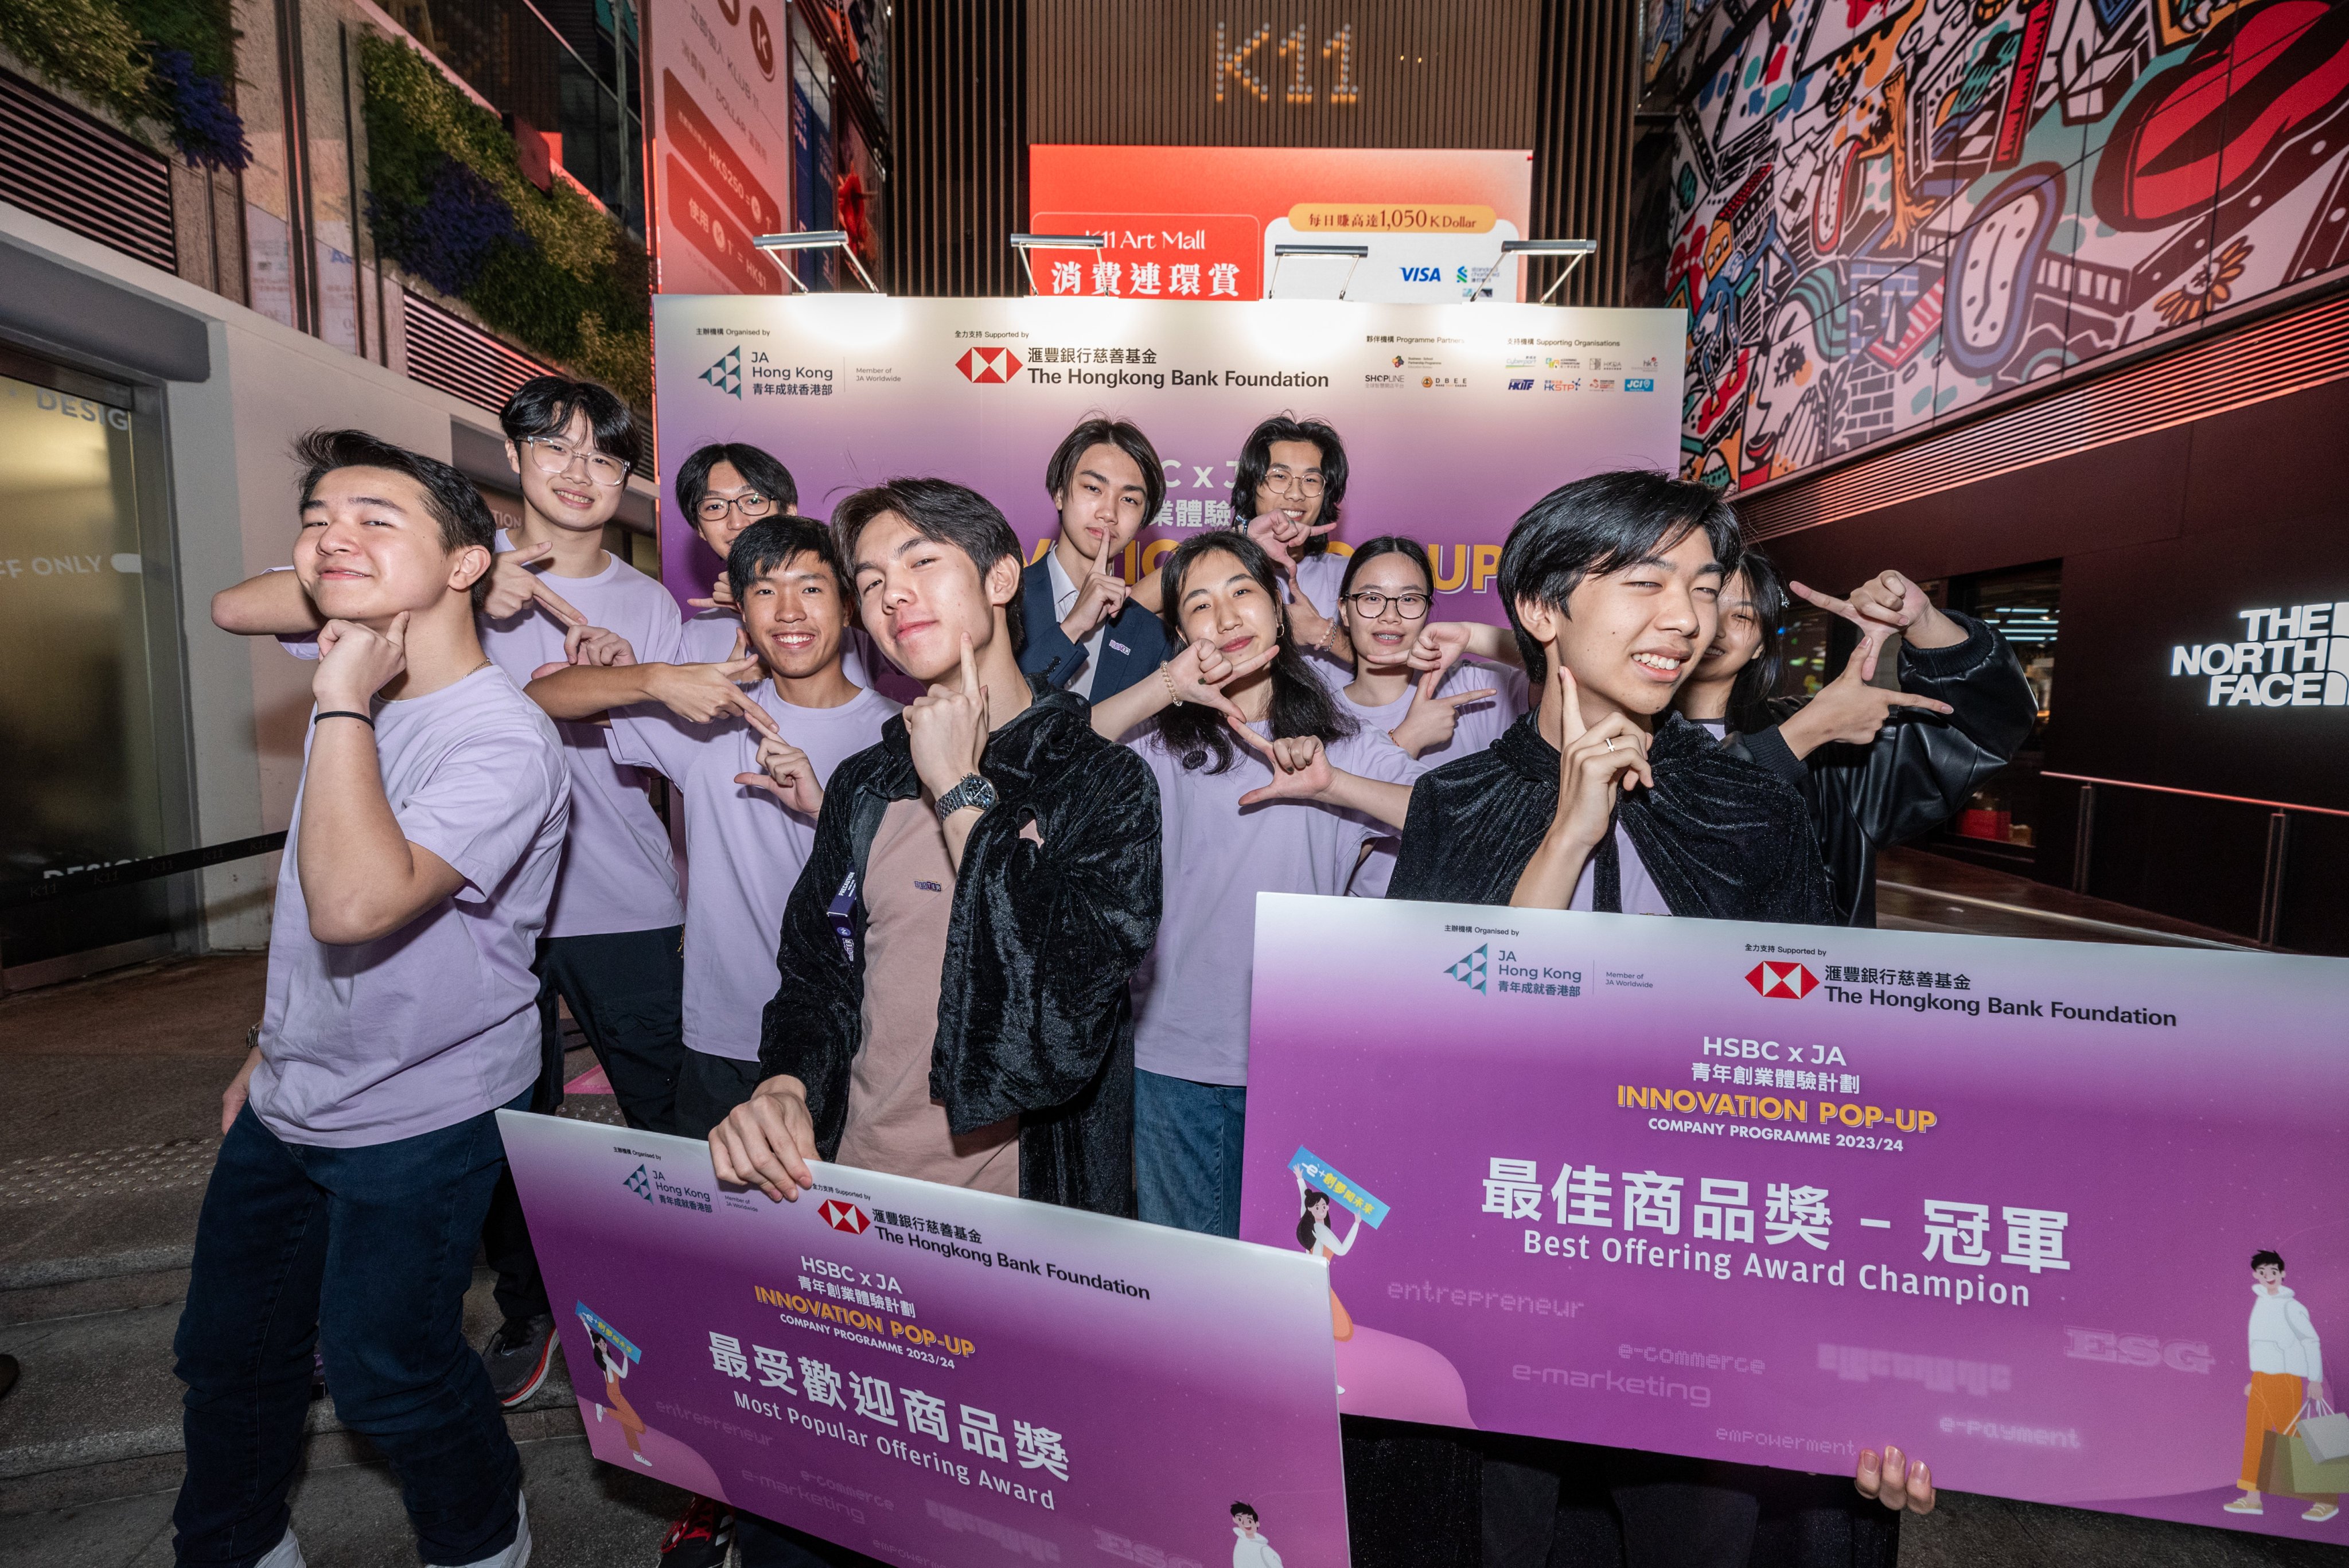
<point>1887,211</point>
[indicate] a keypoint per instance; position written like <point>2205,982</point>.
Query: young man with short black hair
<point>1603,798</point>
<point>1086,632</point>
<point>751,781</point>
<point>612,950</point>
<point>721,490</point>
<point>953,959</point>
<point>361,1145</point>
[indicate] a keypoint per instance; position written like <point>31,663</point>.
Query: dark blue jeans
<point>367,1252</point>
<point>1187,1140</point>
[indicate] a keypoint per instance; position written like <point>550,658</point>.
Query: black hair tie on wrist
<point>343,713</point>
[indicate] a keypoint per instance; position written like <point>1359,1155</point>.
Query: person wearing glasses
<point>1286,496</point>
<point>721,490</point>
<point>1383,603</point>
<point>613,947</point>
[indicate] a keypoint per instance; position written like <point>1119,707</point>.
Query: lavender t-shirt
<point>1191,994</point>
<point>1480,724</point>
<point>436,1022</point>
<point>618,872</point>
<point>746,846</point>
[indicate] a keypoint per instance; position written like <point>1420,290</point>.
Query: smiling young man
<point>1603,798</point>
<point>1086,632</point>
<point>952,1000</point>
<point>752,781</point>
<point>361,1146</point>
<point>612,947</point>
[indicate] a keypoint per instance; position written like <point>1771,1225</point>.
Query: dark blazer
<point>1135,645</point>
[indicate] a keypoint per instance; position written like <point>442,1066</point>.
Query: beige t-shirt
<point>893,1125</point>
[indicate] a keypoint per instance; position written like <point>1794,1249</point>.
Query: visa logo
<point>1523,384</point>
<point>1422,274</point>
<point>1638,384</point>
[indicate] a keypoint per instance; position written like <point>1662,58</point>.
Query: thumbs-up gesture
<point>1429,723</point>
<point>785,772</point>
<point>1594,762</point>
<point>946,729</point>
<point>1100,596</point>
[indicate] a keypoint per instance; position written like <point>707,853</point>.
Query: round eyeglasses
<point>749,503</point>
<point>553,456</point>
<point>1285,479</point>
<point>1369,603</point>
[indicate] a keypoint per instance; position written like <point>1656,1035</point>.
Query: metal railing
<point>2271,873</point>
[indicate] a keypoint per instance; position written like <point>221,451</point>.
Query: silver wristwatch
<point>973,790</point>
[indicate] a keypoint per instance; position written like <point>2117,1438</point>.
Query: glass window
<point>2023,604</point>
<point>84,722</point>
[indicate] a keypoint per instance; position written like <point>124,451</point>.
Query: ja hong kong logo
<point>1471,971</point>
<point>1791,981</point>
<point>843,1216</point>
<point>989,366</point>
<point>727,374</point>
<point>640,1183</point>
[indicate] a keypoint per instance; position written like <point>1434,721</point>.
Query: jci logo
<point>727,374</point>
<point>843,1216</point>
<point>1470,971</point>
<point>988,366</point>
<point>1789,980</point>
<point>640,1183</point>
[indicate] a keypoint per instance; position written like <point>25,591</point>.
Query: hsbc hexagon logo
<point>989,366</point>
<point>843,1216</point>
<point>1791,981</point>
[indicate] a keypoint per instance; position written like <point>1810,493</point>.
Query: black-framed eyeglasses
<point>554,455</point>
<point>749,503</point>
<point>1306,483</point>
<point>1369,603</point>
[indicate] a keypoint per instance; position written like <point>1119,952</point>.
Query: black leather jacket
<point>1918,772</point>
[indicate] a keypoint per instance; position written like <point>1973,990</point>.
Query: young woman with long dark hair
<point>1265,784</point>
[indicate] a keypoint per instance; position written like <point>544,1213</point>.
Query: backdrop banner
<point>1456,418</point>
<point>929,1375</point>
<point>1772,1194</point>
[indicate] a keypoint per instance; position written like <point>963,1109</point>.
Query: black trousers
<point>1435,1496</point>
<point>707,1088</point>
<point>627,990</point>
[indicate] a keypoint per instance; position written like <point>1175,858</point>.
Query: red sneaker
<point>700,1536</point>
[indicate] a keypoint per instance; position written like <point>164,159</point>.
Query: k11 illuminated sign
<point>2296,656</point>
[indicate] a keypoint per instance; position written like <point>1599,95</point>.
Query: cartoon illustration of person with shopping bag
<point>2287,1376</point>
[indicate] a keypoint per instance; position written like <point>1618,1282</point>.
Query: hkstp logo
<point>843,1216</point>
<point>1788,980</point>
<point>640,1182</point>
<point>727,374</point>
<point>988,366</point>
<point>1470,971</point>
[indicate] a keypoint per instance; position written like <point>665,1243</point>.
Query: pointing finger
<point>741,645</point>
<point>1248,734</point>
<point>529,553</point>
<point>1826,602</point>
<point>397,633</point>
<point>739,668</point>
<point>1904,700</point>
<point>1101,556</point>
<point>759,781</point>
<point>757,718</point>
<point>1457,698</point>
<point>969,670</point>
<point>1569,709</point>
<point>561,607</point>
<point>1427,683</point>
<point>703,603</point>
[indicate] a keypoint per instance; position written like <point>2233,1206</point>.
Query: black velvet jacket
<point>1719,835</point>
<point>1918,773</point>
<point>1033,1017</point>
